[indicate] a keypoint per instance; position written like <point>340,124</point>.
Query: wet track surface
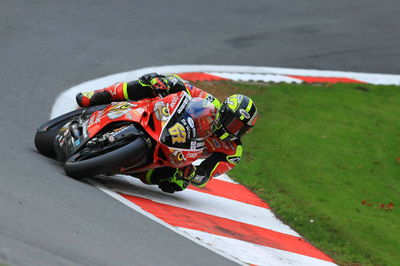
<point>47,218</point>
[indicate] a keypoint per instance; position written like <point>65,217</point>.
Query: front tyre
<point>46,133</point>
<point>87,163</point>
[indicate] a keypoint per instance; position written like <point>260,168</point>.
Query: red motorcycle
<point>128,137</point>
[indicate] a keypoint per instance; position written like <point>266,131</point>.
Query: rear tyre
<point>87,163</point>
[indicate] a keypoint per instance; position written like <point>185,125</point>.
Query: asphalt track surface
<point>46,47</point>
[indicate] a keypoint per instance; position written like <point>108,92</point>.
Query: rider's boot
<point>115,92</point>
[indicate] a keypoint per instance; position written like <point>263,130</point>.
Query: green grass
<point>317,152</point>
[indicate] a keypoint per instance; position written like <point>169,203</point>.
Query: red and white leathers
<point>220,156</point>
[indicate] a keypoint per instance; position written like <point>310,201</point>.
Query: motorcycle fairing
<point>67,143</point>
<point>163,119</point>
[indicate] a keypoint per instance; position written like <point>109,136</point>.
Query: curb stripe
<point>206,203</point>
<point>199,76</point>
<point>130,204</point>
<point>255,77</point>
<point>231,191</point>
<point>194,220</point>
<point>256,254</point>
<point>325,79</point>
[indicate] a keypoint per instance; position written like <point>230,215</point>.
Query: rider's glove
<point>160,87</point>
<point>179,181</point>
<point>172,184</point>
<point>157,82</point>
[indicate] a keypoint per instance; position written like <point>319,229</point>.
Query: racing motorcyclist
<point>223,149</point>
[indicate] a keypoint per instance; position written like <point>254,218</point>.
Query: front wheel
<point>89,162</point>
<point>46,133</point>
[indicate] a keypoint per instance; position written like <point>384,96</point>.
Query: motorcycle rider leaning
<point>223,149</point>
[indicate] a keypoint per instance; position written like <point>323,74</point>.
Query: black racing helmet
<point>237,115</point>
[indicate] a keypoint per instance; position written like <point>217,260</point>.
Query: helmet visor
<point>236,127</point>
